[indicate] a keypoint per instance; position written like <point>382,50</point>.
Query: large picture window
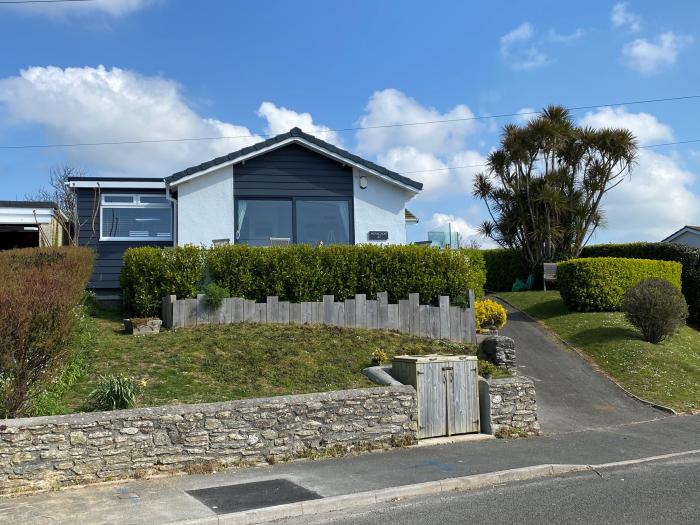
<point>260,221</point>
<point>136,217</point>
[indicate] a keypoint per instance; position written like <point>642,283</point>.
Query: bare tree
<point>63,196</point>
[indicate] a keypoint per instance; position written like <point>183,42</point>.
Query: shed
<point>29,224</point>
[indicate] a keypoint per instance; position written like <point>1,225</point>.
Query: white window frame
<point>135,203</point>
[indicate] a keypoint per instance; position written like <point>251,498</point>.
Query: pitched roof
<point>410,216</point>
<point>298,133</point>
<point>684,229</point>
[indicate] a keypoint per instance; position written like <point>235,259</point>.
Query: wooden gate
<point>447,392</point>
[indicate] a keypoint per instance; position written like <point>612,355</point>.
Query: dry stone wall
<point>49,452</point>
<point>508,404</point>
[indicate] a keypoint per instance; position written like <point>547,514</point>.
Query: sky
<point>134,70</point>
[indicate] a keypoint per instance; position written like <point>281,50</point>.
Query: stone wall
<point>500,350</point>
<point>508,405</point>
<point>50,452</point>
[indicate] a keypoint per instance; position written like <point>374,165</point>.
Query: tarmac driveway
<point>571,394</point>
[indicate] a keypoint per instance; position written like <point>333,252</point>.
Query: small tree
<point>60,193</point>
<point>544,185</point>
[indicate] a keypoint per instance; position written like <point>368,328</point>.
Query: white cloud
<point>281,120</point>
<point>648,56</point>
<point>466,165</point>
<point>621,17</point>
<point>109,7</point>
<point>518,50</point>
<point>644,126</point>
<point>565,38</point>
<point>525,115</point>
<point>98,105</point>
<point>431,171</point>
<point>391,106</point>
<point>658,197</point>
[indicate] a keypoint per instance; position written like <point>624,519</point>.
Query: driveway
<point>571,394</point>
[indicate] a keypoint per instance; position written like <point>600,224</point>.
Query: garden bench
<point>550,274</point>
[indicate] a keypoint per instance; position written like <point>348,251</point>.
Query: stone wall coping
<point>512,380</point>
<point>205,408</point>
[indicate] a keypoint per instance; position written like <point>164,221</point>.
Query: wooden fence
<point>408,316</point>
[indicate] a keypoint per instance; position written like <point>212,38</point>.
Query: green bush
<point>656,307</point>
<point>503,267</point>
<point>114,393</point>
<point>662,251</point>
<point>598,284</point>
<point>300,273</point>
<point>149,273</point>
<point>214,295</point>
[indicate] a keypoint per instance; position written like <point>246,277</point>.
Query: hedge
<point>299,273</point>
<point>503,267</point>
<point>689,257</point>
<point>149,273</point>
<point>41,289</point>
<point>598,284</point>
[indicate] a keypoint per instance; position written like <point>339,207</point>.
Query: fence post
<point>444,317</point>
<point>328,309</point>
<point>361,310</point>
<point>414,313</point>
<point>168,305</point>
<point>272,307</point>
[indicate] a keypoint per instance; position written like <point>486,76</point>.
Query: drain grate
<point>256,495</point>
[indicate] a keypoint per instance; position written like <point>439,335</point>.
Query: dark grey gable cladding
<point>294,132</point>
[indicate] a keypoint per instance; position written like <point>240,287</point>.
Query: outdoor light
<point>363,182</point>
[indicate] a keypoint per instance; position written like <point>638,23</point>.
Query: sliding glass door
<point>302,220</point>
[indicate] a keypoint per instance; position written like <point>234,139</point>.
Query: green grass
<point>667,373</point>
<point>224,362</point>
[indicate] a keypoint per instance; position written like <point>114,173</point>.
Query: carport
<point>26,224</point>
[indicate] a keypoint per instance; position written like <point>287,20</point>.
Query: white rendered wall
<point>379,207</point>
<point>205,208</point>
<point>689,239</point>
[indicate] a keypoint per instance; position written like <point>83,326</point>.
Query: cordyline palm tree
<point>544,185</point>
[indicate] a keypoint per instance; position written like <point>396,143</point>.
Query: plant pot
<point>142,326</point>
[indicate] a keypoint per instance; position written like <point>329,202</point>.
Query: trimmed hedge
<point>503,267</point>
<point>663,251</point>
<point>599,284</point>
<point>150,273</point>
<point>299,273</point>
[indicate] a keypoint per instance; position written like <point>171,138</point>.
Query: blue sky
<point>115,70</point>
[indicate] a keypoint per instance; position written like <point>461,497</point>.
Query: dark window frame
<point>294,199</point>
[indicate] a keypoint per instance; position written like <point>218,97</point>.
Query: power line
<point>337,130</point>
<point>483,165</point>
<point>41,1</point>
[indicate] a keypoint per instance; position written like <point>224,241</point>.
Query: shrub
<point>39,300</point>
<point>689,257</point>
<point>379,357</point>
<point>489,313</point>
<point>503,267</point>
<point>301,273</point>
<point>599,284</point>
<point>656,307</point>
<point>214,295</point>
<point>114,393</point>
<point>148,274</point>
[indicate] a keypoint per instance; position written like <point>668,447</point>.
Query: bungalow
<point>688,235</point>
<point>292,188</point>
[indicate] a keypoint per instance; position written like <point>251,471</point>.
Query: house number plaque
<point>378,236</point>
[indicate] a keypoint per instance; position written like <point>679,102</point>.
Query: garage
<point>27,224</point>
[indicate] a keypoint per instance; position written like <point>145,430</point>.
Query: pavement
<point>571,395</point>
<point>664,491</point>
<point>165,500</point>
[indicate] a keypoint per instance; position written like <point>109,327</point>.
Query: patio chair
<point>549,274</point>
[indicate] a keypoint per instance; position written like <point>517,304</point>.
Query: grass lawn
<point>667,373</point>
<point>224,362</point>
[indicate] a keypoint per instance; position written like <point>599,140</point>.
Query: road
<point>657,492</point>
